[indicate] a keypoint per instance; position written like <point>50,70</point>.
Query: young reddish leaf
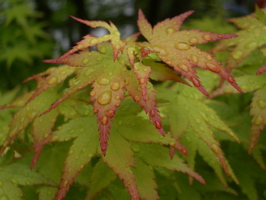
<point>176,49</point>
<point>106,96</point>
<point>100,178</point>
<point>258,111</point>
<point>244,44</point>
<point>90,40</point>
<point>150,105</point>
<point>120,159</point>
<point>142,73</point>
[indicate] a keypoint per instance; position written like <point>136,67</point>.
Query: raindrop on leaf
<point>105,97</point>
<point>182,46</point>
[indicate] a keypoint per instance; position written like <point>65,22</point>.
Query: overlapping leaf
<point>191,114</point>
<point>176,48</point>
<point>13,174</point>
<point>244,44</point>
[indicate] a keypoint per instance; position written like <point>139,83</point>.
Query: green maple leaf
<point>176,48</point>
<point>13,174</point>
<point>258,111</point>
<point>124,156</point>
<point>244,44</point>
<point>193,116</point>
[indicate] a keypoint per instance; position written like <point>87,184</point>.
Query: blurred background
<point>33,30</point>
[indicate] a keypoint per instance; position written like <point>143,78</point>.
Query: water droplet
<point>94,41</point>
<point>193,40</point>
<point>251,45</point>
<point>95,110</point>
<point>194,59</point>
<point>142,81</point>
<point>117,104</point>
<point>184,151</point>
<point>237,54</point>
<point>88,72</point>
<point>170,30</point>
<point>115,86</point>
<point>207,37</point>
<point>158,124</point>
<point>65,183</point>
<point>195,81</point>
<point>71,151</point>
<point>110,113</point>
<point>104,120</point>
<point>230,79</point>
<point>136,66</point>
<point>13,180</point>
<point>135,147</point>
<point>105,97</point>
<point>182,46</point>
<point>261,103</point>
<point>103,50</point>
<point>215,148</point>
<point>103,80</point>
<point>152,113</point>
<point>137,98</point>
<point>92,93</point>
<point>258,120</point>
<point>160,50</point>
<point>85,61</point>
<point>213,68</point>
<point>184,67</point>
<point>208,57</point>
<point>52,80</point>
<point>118,46</point>
<point>118,97</point>
<point>80,46</point>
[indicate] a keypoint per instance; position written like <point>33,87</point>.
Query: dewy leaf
<point>28,114</point>
<point>120,158</point>
<point>154,155</point>
<point>90,40</point>
<point>187,111</point>
<point>100,178</point>
<point>109,80</point>
<point>244,44</point>
<point>176,48</point>
<point>145,179</point>
<point>258,111</point>
<point>82,150</point>
<point>18,173</point>
<point>150,105</point>
<point>247,82</point>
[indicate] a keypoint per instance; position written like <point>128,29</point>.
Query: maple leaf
<point>28,114</point>
<point>258,111</point>
<point>176,48</point>
<point>13,174</point>
<point>243,45</point>
<point>109,80</point>
<point>195,117</point>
